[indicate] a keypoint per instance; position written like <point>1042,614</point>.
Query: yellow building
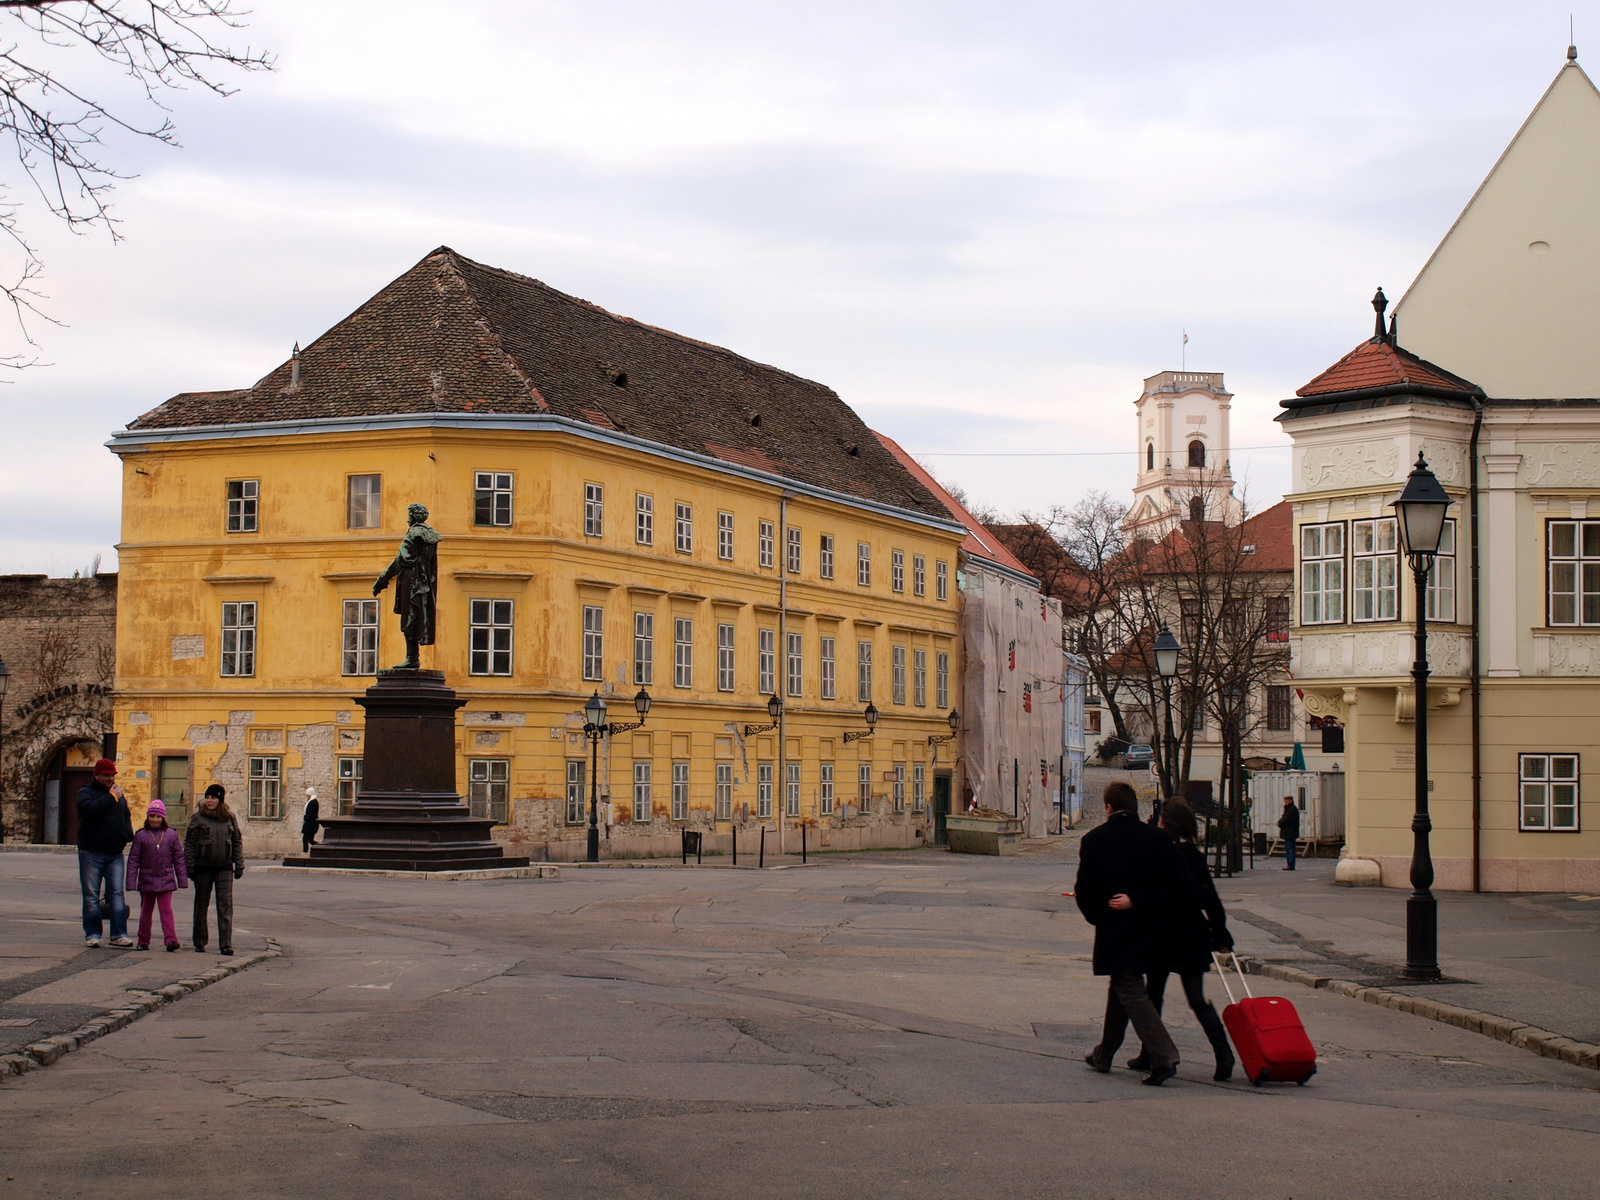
<point>621,508</point>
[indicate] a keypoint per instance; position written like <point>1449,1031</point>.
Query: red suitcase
<point>1267,1032</point>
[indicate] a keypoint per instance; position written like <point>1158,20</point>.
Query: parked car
<point>1138,757</point>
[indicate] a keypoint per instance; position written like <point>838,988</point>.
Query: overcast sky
<point>983,223</point>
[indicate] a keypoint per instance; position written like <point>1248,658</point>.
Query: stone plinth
<point>408,815</point>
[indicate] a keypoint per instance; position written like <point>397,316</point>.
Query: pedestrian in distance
<point>1192,937</point>
<point>309,824</point>
<point>1289,830</point>
<point>1130,883</point>
<point>156,869</point>
<point>215,853</point>
<point>105,826</point>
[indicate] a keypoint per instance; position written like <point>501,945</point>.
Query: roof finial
<point>294,367</point>
<point>1572,39</point>
<point>1380,303</point>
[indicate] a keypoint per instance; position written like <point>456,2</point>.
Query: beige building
<point>1490,371</point>
<point>1184,473</point>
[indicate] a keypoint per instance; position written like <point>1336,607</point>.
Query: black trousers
<point>204,885</point>
<point>1194,991</point>
<point>1128,1000</point>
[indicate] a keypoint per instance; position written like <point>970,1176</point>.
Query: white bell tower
<point>1184,472</point>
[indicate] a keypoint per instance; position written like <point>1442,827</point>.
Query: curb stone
<point>51,1049</point>
<point>1502,1029</point>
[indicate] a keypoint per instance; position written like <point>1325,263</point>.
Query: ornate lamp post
<point>871,718</point>
<point>774,710</point>
<point>1166,651</point>
<point>955,726</point>
<point>5,678</point>
<point>595,728</point>
<point>1419,514</point>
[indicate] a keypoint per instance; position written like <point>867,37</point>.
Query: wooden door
<point>941,808</point>
<point>172,785</point>
<point>73,780</point>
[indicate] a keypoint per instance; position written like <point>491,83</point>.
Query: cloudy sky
<point>982,223</point>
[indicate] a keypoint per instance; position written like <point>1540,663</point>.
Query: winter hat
<point>105,767</point>
<point>158,808</point>
<point>217,790</point>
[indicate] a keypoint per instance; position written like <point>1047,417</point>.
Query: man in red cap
<point>105,826</point>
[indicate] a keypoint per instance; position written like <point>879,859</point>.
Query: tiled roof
<point>979,543</point>
<point>455,336</point>
<point>1379,364</point>
<point>1270,533</point>
<point>1045,559</point>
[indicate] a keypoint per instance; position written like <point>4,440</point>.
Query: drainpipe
<point>781,800</point>
<point>1476,688</point>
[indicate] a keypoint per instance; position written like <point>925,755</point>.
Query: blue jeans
<point>1288,851</point>
<point>92,868</point>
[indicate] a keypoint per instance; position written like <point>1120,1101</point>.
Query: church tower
<point>1184,473</point>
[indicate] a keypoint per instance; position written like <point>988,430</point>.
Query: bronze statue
<point>417,567</point>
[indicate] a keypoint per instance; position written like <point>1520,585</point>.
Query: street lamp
<point>871,718</point>
<point>1166,651</point>
<point>1419,514</point>
<point>955,724</point>
<point>5,678</point>
<point>596,727</point>
<point>774,710</point>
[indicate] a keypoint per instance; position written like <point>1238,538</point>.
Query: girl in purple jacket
<point>156,869</point>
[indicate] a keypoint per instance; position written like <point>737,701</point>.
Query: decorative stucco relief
<point>1571,654</point>
<point>1447,460</point>
<point>1350,465</point>
<point>1562,465</point>
<point>1385,653</point>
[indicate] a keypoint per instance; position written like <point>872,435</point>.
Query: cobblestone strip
<point>1504,1029</point>
<point>43,1053</point>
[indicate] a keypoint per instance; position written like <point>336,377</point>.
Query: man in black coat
<point>1130,883</point>
<point>1289,830</point>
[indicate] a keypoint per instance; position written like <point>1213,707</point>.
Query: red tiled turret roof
<point>1380,364</point>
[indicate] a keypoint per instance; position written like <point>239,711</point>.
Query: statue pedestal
<point>408,815</point>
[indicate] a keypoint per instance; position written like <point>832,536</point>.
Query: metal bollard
<point>802,845</point>
<point>761,858</point>
<point>733,832</point>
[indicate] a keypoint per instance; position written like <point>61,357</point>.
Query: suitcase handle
<point>1223,963</point>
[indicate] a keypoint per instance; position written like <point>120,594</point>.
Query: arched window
<point>1149,456</point>
<point>1197,509</point>
<point>1197,454</point>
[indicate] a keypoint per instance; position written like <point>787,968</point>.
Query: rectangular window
<point>830,687</point>
<point>863,564</point>
<point>683,652</point>
<point>796,663</point>
<point>243,497</point>
<point>1442,577</point>
<point>941,679</point>
<point>644,519</point>
<point>1373,560</point>
<point>919,575</point>
<point>1322,574</point>
<point>767,661</point>
<point>791,789</point>
<point>594,624</point>
<point>1549,790</point>
<point>360,638</point>
<point>724,658</point>
<point>1279,713</point>
<point>764,548</point>
<point>899,785</point>
<point>724,792</point>
<point>239,638</point>
<point>577,790</point>
<point>349,784</point>
<point>266,787</point>
<point>825,556</point>
<point>365,507</point>
<point>897,664</point>
<point>680,791</point>
<point>491,498</point>
<point>490,646</point>
<point>864,787</point>
<point>1277,618</point>
<point>594,510</point>
<point>642,772</point>
<point>793,554</point>
<point>644,649</point>
<point>941,581</point>
<point>919,787</point>
<point>489,788</point>
<point>725,536</point>
<point>683,528</point>
<point>1574,554</point>
<point>897,570</point>
<point>825,789</point>
<point>864,672</point>
<point>919,678</point>
<point>763,790</point>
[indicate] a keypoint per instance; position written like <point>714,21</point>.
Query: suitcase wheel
<point>1262,1076</point>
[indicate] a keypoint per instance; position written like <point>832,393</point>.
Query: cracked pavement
<point>881,1024</point>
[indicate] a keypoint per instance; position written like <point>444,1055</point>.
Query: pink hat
<point>158,808</point>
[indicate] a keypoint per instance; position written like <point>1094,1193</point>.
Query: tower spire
<point>1380,304</point>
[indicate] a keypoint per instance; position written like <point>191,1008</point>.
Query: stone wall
<point>58,639</point>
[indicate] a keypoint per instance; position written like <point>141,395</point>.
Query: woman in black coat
<point>1193,934</point>
<point>309,823</point>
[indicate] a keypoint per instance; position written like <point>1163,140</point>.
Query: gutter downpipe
<point>780,803</point>
<point>1476,675</point>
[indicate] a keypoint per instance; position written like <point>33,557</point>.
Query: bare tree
<point>59,129</point>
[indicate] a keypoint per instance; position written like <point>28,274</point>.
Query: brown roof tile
<point>1375,364</point>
